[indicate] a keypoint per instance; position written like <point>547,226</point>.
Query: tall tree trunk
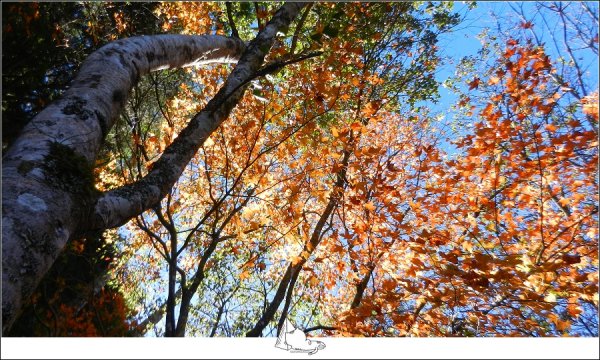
<point>48,192</point>
<point>155,316</point>
<point>48,189</point>
<point>170,324</point>
<point>361,287</point>
<point>291,275</point>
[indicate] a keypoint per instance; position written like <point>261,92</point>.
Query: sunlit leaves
<point>497,238</point>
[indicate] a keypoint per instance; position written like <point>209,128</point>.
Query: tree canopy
<point>334,184</point>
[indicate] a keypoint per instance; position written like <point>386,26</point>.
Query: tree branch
<point>320,327</point>
<point>291,275</point>
<point>234,31</point>
<point>117,206</point>
<point>258,20</point>
<point>299,28</point>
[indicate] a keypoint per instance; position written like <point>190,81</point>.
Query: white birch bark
<point>46,192</point>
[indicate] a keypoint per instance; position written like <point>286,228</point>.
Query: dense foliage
<point>336,194</point>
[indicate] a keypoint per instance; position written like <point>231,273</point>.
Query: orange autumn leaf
<point>334,132</point>
<point>474,84</point>
<point>244,275</point>
<point>356,126</point>
<point>527,25</point>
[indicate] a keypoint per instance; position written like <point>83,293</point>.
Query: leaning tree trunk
<point>47,184</point>
<point>48,192</point>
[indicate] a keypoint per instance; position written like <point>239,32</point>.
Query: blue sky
<point>498,17</point>
<point>463,40</point>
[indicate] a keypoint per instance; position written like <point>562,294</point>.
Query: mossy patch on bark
<point>25,167</point>
<point>70,172</point>
<point>76,106</point>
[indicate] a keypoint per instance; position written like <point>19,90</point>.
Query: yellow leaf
<point>244,275</point>
<point>334,132</point>
<point>468,246</point>
<point>369,206</point>
<point>493,80</point>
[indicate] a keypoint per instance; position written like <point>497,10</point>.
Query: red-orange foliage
<point>507,242</point>
<point>498,236</point>
<point>104,315</point>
